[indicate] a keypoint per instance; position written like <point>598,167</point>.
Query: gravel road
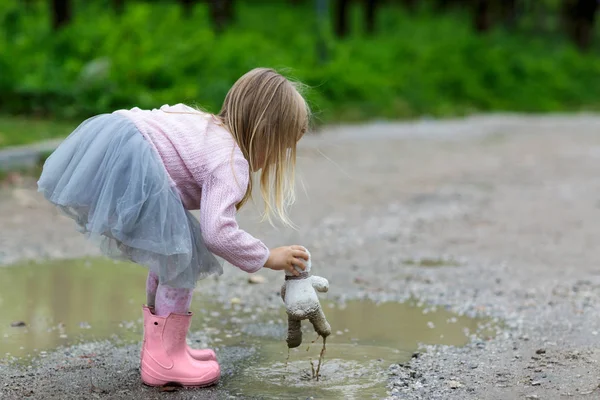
<point>512,200</point>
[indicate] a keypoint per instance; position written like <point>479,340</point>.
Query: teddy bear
<point>299,293</point>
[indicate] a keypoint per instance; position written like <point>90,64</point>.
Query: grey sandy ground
<point>516,200</point>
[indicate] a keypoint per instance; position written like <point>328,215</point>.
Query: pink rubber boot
<point>198,354</point>
<point>165,358</point>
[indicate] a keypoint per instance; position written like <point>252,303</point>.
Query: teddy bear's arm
<point>319,283</point>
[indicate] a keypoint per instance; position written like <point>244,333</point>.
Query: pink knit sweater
<point>210,173</point>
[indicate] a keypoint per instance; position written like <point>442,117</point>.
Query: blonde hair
<point>267,115</point>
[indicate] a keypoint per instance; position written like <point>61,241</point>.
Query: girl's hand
<point>286,258</point>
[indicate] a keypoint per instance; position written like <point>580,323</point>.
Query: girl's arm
<point>221,191</point>
<point>223,187</point>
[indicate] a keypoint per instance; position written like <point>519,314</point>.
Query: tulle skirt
<point>110,181</point>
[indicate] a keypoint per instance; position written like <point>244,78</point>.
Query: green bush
<point>425,64</point>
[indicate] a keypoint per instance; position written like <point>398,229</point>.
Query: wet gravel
<point>502,207</point>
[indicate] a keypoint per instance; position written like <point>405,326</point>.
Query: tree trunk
<point>61,13</point>
<point>410,5</point>
<point>370,14</point>
<point>482,20</point>
<point>446,4</point>
<point>119,6</point>
<point>187,7</point>
<point>509,12</point>
<point>442,4</point>
<point>322,7</point>
<point>341,18</point>
<point>580,16</point>
<point>221,12</point>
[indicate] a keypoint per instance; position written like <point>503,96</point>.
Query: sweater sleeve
<point>221,191</point>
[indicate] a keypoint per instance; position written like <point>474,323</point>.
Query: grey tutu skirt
<point>112,183</point>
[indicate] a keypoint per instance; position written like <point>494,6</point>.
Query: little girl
<point>129,179</point>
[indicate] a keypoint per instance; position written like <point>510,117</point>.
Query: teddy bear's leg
<point>294,337</point>
<point>319,322</point>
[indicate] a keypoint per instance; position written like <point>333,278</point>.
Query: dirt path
<point>514,200</point>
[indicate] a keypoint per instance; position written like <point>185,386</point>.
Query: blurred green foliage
<point>423,64</point>
<point>20,130</point>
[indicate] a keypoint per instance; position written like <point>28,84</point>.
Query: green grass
<point>16,131</point>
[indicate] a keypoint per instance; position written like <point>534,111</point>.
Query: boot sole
<point>153,378</point>
<point>181,385</point>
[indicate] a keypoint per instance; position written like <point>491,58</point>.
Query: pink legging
<point>166,299</point>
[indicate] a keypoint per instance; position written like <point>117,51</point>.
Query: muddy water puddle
<point>367,337</point>
<point>44,306</point>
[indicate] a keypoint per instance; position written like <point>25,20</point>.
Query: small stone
<point>532,396</point>
<point>256,279</point>
<point>168,389</point>
<point>454,384</point>
<point>18,324</point>
<point>360,281</point>
<point>235,300</point>
<point>536,383</point>
<point>540,351</point>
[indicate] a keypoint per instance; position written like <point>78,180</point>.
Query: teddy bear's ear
<point>308,263</point>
